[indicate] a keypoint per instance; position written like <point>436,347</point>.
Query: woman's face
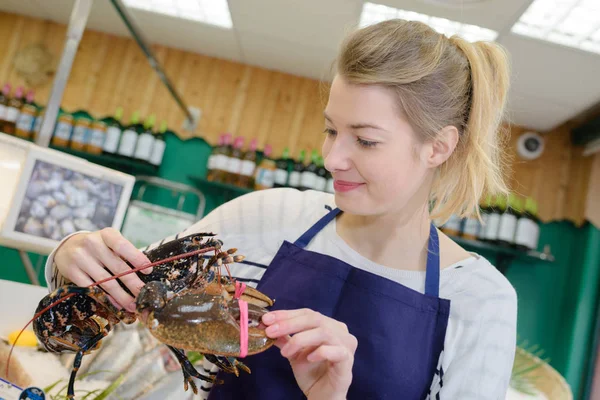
<point>371,151</point>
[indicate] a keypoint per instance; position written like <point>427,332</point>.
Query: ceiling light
<point>213,12</point>
<point>374,13</point>
<point>573,23</point>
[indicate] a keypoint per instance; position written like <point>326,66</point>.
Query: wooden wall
<point>279,109</point>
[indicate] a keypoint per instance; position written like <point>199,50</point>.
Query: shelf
<point>202,182</point>
<point>122,164</point>
<point>504,255</point>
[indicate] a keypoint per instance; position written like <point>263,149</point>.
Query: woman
<point>372,302</point>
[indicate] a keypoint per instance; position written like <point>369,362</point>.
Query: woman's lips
<point>345,186</point>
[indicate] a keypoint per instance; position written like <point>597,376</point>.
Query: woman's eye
<point>366,143</point>
<point>330,132</point>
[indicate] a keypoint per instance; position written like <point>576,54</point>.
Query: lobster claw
<point>250,295</point>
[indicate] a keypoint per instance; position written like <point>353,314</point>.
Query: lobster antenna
<point>166,260</point>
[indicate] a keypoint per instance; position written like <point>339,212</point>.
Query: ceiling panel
<point>30,8</point>
<point>537,113</point>
<point>302,22</point>
<point>281,55</point>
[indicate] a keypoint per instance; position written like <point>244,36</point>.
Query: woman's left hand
<point>321,351</point>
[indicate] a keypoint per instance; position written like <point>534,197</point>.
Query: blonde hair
<point>440,81</point>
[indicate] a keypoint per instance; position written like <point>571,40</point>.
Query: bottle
<point>484,210</point>
<point>63,129</point>
<point>222,163</point>
<point>282,171</point>
<point>528,227</point>
<point>143,147</point>
<point>213,159</point>
<point>113,132</point>
<point>453,227</point>
<point>508,222</point>
<point>13,109</point>
<point>4,97</point>
<point>234,163</point>
<point>471,227</point>
<point>308,178</point>
<point>37,126</point>
<point>158,149</point>
<point>321,180</point>
<point>130,135</point>
<point>496,207</point>
<point>264,177</point>
<point>246,177</point>
<point>81,130</point>
<point>97,137</point>
<point>26,120</point>
<point>296,174</point>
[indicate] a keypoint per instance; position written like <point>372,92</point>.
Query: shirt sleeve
<point>478,364</point>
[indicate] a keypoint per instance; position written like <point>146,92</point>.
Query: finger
<point>300,323</point>
<point>115,264</point>
<point>90,266</point>
<point>311,338</point>
<point>280,315</point>
<point>124,248</point>
<point>79,278</point>
<point>331,353</point>
<point>282,341</point>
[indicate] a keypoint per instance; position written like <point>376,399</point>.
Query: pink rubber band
<point>239,289</point>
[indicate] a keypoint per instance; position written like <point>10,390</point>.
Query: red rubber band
<point>239,289</point>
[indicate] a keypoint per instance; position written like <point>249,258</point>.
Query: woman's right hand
<point>83,257</point>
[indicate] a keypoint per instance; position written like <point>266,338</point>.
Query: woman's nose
<point>337,156</point>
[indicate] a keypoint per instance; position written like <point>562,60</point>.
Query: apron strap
<point>432,274</point>
<point>307,236</point>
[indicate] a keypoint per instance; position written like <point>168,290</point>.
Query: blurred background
<point>158,111</point>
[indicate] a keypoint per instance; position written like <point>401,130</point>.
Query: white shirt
<point>481,335</point>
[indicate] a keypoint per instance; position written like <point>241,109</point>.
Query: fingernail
<point>131,307</point>
<point>271,330</point>
<point>268,318</point>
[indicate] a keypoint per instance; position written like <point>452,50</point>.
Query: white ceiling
<point>550,83</point>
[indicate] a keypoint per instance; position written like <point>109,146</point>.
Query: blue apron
<point>400,331</point>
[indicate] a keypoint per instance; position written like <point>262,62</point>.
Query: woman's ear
<point>441,148</point>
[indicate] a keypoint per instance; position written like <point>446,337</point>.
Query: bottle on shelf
<point>321,180</point>
<point>97,137</point>
<point>37,126</point>
<point>528,227</point>
<point>308,177</point>
<point>4,97</point>
<point>212,172</point>
<point>81,130</point>
<point>453,227</point>
<point>113,132</point>
<point>282,169</point>
<point>246,175</point>
<point>234,163</point>
<point>63,129</point>
<point>223,160</point>
<point>26,120</point>
<point>492,223</point>
<point>264,177</point>
<point>13,109</point>
<point>130,135</point>
<point>143,147</point>
<point>471,227</point>
<point>159,146</point>
<point>296,174</point>
<point>484,210</point>
<point>508,222</point>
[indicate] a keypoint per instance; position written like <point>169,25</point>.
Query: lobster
<point>186,303</point>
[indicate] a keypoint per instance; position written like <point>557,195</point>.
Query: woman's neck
<point>397,240</point>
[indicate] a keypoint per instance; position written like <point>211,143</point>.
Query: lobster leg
<point>227,364</point>
<point>77,363</point>
<point>189,370</point>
